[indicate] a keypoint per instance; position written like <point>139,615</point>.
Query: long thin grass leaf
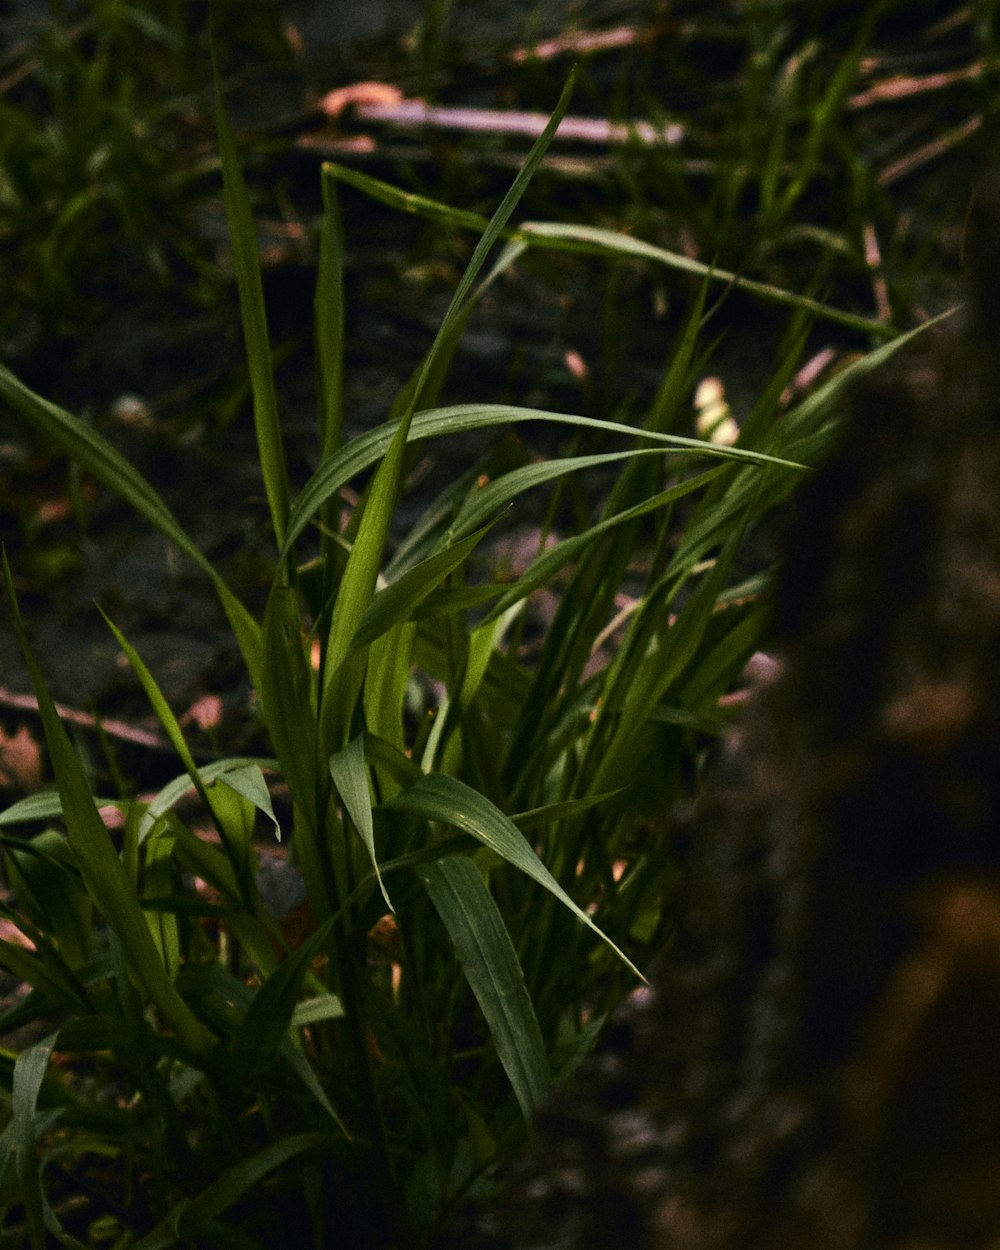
<point>445,799</point>
<point>385,685</point>
<point>107,881</point>
<point>45,878</point>
<point>566,236</point>
<point>392,605</point>
<point>329,312</point>
<point>347,768</point>
<point>95,454</point>
<point>157,880</point>
<point>823,113</point>
<point>29,1072</point>
<point>633,693</point>
<point>365,450</point>
<point>327,1007</point>
<point>288,699</point>
<point>46,805</point>
<point>358,583</point>
<point>556,556</point>
<point>497,494</point>
<point>168,796</point>
<point>269,1015</point>
<point>541,817</point>
<point>159,704</point>
<point>248,781</point>
<point>45,975</point>
<point>805,431</point>
<point>491,967</point>
<point>614,243</point>
<point>254,317</point>
<point>315,1010</point>
<point>482,643</point>
<point>191,1215</point>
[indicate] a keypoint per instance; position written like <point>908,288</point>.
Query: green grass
<point>481,828</point>
<point>97,121</point>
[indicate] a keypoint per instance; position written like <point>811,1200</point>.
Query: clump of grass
<point>99,129</point>
<point>481,884</point>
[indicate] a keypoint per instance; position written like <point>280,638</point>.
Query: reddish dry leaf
<point>335,102</point>
<point>205,712</point>
<point>584,41</point>
<point>20,760</point>
<point>9,932</point>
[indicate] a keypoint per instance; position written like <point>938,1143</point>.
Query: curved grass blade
<point>46,805</point>
<point>482,644</point>
<point>347,768</point>
<point>87,448</point>
<point>314,1010</point>
<point>46,975</point>
<point>46,883</point>
<point>491,966</point>
<point>359,580</point>
<point>497,494</point>
<point>254,317</point>
<point>393,604</point>
<point>539,817</point>
<point>269,1016</point>
<point>248,781</point>
<point>189,1218</point>
<point>565,236</point>
<point>29,1072</point>
<point>103,872</point>
<point>445,799</point>
<point>95,454</point>
<point>329,311</point>
<point>164,800</point>
<point>385,690</point>
<point>633,692</point>
<point>230,999</point>
<point>614,243</point>
<point>365,450</point>
<point>164,714</point>
<point>553,558</point>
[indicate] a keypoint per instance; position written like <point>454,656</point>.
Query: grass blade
<point>106,879</point>
<point>391,606</point>
<point>329,310</point>
<point>385,689</point>
<point>45,975</point>
<point>553,558</point>
<point>92,452</point>
<point>613,243</point>
<point>358,584</point>
<point>192,1216</point>
<point>365,450</point>
<point>347,768</point>
<point>445,799</point>
<point>46,883</point>
<point>249,782</point>
<point>269,1015</point>
<point>29,1072</point>
<point>491,966</point>
<point>254,317</point>
<point>497,494</point>
<point>593,239</point>
<point>161,707</point>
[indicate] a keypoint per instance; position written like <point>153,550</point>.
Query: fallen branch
<point>119,729</point>
<point>379,102</point>
<point>906,87</point>
<point>929,152</point>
